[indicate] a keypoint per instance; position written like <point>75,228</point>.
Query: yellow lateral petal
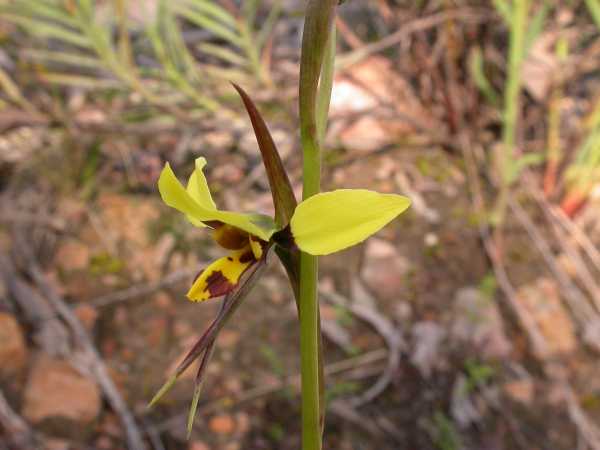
<point>331,221</point>
<point>197,186</point>
<point>222,276</point>
<point>174,195</point>
<point>257,247</point>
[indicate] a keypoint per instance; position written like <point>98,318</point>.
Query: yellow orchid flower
<point>324,223</point>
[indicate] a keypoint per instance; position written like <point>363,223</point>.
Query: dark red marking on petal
<point>247,257</point>
<point>217,284</point>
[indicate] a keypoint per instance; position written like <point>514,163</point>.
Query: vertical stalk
<point>518,24</point>
<point>317,31</point>
<point>309,353</point>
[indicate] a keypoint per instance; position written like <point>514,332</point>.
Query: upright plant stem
<point>317,31</point>
<point>309,349</point>
<point>518,24</point>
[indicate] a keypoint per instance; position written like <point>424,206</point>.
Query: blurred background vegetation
<point>473,322</point>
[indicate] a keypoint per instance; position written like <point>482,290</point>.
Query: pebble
<point>222,424</point>
<point>56,390</point>
<point>13,351</point>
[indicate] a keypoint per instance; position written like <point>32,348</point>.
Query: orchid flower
<point>325,223</point>
<point>320,225</point>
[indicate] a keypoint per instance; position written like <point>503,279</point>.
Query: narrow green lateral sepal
<point>193,408</point>
<point>162,391</point>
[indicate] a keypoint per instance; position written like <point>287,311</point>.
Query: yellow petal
<point>174,195</point>
<point>331,221</point>
<point>222,276</point>
<point>197,186</point>
<point>256,246</point>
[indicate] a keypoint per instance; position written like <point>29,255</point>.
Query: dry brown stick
<point>143,289</point>
<point>49,333</point>
<point>420,24</point>
<point>590,433</point>
<point>347,33</point>
<point>347,412</point>
<point>12,217</point>
<point>362,308</point>
<point>581,308</point>
<point>527,321</point>
<point>571,227</point>
<point>89,353</point>
<point>15,428</point>
<point>588,430</point>
<point>572,252</point>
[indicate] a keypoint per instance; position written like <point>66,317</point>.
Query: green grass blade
<point>211,9</point>
<point>223,53</point>
<point>37,27</point>
<point>593,7</point>
<point>64,57</point>
<point>536,26</point>
<point>209,24</point>
<point>478,74</point>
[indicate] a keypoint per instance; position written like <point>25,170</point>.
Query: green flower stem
<point>316,62</point>
<point>309,352</point>
<point>518,25</point>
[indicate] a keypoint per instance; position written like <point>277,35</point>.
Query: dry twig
<point>88,355</point>
<point>15,428</point>
<point>363,307</point>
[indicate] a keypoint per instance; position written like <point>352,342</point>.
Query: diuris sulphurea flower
<point>324,223</point>
<point>320,225</point>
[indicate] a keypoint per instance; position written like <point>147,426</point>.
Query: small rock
<point>56,390</point>
<point>72,255</point>
<point>365,135</point>
<point>13,352</point>
<point>542,299</point>
<point>198,445</point>
<point>384,269</point>
<point>427,338</point>
<point>520,391</point>
<point>541,65</point>
<point>222,424</point>
<point>477,321</point>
